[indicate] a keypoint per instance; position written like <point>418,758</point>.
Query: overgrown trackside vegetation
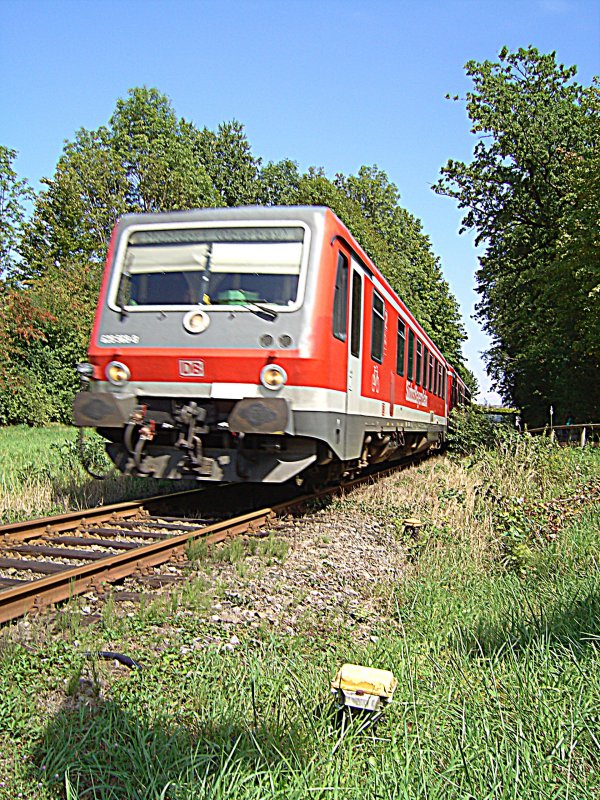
<point>492,631</point>
<point>147,159</point>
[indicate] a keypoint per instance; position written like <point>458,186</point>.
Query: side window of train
<point>431,363</point>
<point>410,372</point>
<point>401,341</point>
<point>425,368</point>
<point>377,323</point>
<point>340,299</point>
<point>419,362</point>
<point>356,314</point>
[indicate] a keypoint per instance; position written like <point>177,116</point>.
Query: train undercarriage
<point>254,440</point>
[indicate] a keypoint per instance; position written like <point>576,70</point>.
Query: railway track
<point>44,561</point>
<point>47,560</point>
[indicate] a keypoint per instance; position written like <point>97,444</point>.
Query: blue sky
<point>334,83</point>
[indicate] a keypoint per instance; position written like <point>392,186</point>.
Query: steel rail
<point>21,531</point>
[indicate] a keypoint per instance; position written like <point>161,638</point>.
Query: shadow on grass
<point>101,750</point>
<point>573,625</point>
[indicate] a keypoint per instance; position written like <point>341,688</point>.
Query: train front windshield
<point>211,266</point>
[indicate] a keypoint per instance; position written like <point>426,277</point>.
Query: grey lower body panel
<point>345,434</point>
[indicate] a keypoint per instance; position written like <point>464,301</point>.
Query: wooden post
<point>583,437</point>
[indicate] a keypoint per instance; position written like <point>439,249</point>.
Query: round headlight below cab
<point>273,377</point>
<point>117,373</point>
<point>196,321</point>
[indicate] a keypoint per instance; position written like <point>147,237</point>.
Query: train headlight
<point>196,321</point>
<point>117,373</point>
<point>272,376</point>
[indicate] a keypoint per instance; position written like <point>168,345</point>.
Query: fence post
<point>583,437</point>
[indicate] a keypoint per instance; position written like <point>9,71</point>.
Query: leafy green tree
<point>75,212</point>
<point>14,194</point>
<point>577,266</point>
<point>279,183</point>
<point>536,127</point>
<point>144,160</point>
<point>227,157</point>
<point>158,156</point>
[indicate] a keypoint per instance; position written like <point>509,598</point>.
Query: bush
<point>469,428</point>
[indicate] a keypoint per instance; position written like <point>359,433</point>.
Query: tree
<point>158,156</point>
<point>279,183</point>
<point>74,215</point>
<point>145,160</point>
<point>14,194</point>
<point>535,127</point>
<point>227,157</point>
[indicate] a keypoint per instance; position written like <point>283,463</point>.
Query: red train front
<point>255,344</point>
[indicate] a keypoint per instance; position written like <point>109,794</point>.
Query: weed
<point>68,620</point>
<point>197,550</point>
<point>273,548</point>
<point>195,595</point>
<point>109,613</point>
<point>73,681</point>
<point>230,552</point>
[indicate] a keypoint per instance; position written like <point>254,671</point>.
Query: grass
<point>41,474</point>
<point>496,659</point>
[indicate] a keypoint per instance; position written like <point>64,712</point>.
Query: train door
<point>355,342</point>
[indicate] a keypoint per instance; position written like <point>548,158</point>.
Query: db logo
<point>375,382</point>
<point>191,369</point>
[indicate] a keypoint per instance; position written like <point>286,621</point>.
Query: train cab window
<point>356,314</point>
<point>401,343</point>
<point>377,320</point>
<point>340,299</point>
<point>411,356</point>
<point>425,368</point>
<point>419,362</point>
<point>444,382</point>
<point>219,266</point>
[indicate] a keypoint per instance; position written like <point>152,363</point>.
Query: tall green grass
<point>499,685</point>
<point>41,473</point>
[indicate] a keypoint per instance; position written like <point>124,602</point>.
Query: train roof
<point>303,213</point>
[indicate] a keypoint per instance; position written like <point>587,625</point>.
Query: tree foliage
<point>531,195</point>
<point>14,194</point>
<point>146,159</point>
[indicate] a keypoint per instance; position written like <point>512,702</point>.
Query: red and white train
<point>256,344</point>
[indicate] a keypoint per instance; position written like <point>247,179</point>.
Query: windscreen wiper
<point>264,312</point>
